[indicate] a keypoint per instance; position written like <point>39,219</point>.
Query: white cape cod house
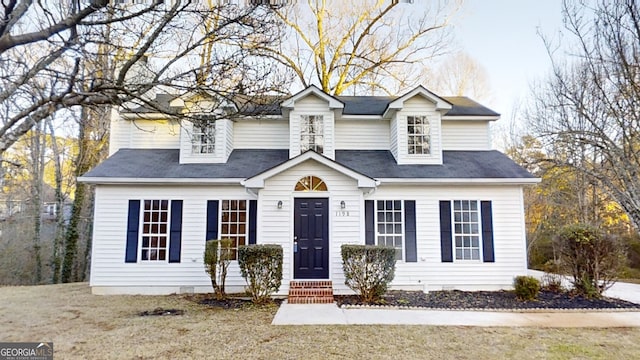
<point>416,172</point>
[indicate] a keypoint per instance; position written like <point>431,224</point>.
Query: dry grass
<point>82,325</point>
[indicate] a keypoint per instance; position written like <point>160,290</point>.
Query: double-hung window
<point>466,229</point>
<point>418,135</point>
<point>155,230</point>
<point>203,139</point>
<point>389,225</point>
<point>311,133</point>
<point>233,221</point>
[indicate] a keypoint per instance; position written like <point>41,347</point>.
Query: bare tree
<point>589,107</point>
<point>376,46</point>
<point>459,74</point>
<point>48,42</point>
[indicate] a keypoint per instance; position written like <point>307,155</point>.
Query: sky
<point>501,35</point>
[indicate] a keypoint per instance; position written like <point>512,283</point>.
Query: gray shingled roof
<point>353,105</point>
<point>245,163</point>
<point>490,164</point>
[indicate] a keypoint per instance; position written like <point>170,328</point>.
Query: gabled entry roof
<point>257,181</point>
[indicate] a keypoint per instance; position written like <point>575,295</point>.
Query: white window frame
<point>203,138</point>
<point>393,223</point>
<point>463,233</point>
<point>151,234</point>
<point>311,130</point>
<point>223,235</point>
<point>426,123</point>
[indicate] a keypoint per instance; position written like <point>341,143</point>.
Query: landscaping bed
<point>232,301</point>
<point>488,300</point>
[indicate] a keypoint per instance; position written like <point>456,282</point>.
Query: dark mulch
<point>231,302</point>
<point>161,312</point>
<point>489,300</point>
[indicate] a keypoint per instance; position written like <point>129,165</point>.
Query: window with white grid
<point>418,135</point>
<point>389,222</point>
<point>155,230</point>
<point>233,224</point>
<point>203,139</point>
<point>311,133</point>
<point>466,229</point>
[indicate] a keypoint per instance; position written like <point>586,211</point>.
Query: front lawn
<point>82,326</point>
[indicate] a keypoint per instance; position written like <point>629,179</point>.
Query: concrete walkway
<point>330,314</point>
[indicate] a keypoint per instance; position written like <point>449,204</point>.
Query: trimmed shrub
<point>217,256</point>
<point>261,267</point>
<point>526,287</point>
<point>593,258</point>
<point>368,269</point>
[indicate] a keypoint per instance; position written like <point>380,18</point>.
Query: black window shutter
<point>212,220</point>
<point>175,237</point>
<point>369,226</point>
<point>487,231</point>
<point>411,251</point>
<point>133,221</point>
<point>446,249</point>
<point>253,221</point>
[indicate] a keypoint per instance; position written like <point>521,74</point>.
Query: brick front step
<point>310,292</point>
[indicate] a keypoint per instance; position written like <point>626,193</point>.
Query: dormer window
<point>203,139</point>
<point>418,135</point>
<point>311,133</point>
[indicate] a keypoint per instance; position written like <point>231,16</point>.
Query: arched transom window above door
<point>311,183</point>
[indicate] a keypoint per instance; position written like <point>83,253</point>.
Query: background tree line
<point>66,66</point>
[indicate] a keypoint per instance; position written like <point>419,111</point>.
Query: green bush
<point>261,267</point>
<point>368,270</point>
<point>217,256</point>
<point>526,287</point>
<point>593,258</point>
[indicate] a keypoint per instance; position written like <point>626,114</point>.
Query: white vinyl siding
<point>111,273</point>
<point>311,105</point>
<point>430,271</point>
<point>417,106</point>
<point>362,135</point>
<point>223,143</point>
<point>275,226</point>
<point>144,134</point>
<point>466,135</point>
<point>108,268</point>
<point>261,134</point>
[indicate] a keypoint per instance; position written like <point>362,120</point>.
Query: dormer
<point>206,135</point>
<point>416,127</point>
<point>311,114</point>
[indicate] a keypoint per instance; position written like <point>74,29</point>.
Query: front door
<point>311,238</point>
